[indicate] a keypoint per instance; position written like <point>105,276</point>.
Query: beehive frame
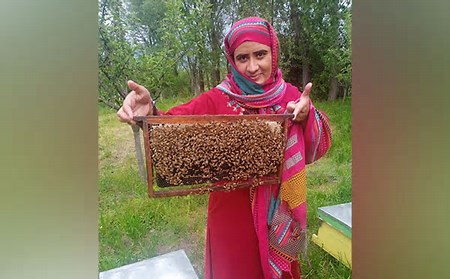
<point>227,185</point>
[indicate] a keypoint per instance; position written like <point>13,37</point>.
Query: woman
<point>257,232</point>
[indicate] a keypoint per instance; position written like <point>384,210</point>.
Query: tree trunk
<point>175,69</point>
<point>332,94</point>
<point>305,73</point>
<point>216,74</point>
<point>139,153</point>
<point>208,81</point>
<point>201,76</point>
<point>195,77</point>
<point>299,47</point>
<point>215,43</point>
<point>345,93</point>
<point>201,80</point>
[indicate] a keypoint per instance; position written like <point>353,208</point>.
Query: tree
<point>217,23</point>
<point>150,14</point>
<point>332,45</point>
<point>167,44</point>
<point>116,63</point>
<point>116,54</point>
<point>185,31</point>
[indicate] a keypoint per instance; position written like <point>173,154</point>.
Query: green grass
<point>133,227</point>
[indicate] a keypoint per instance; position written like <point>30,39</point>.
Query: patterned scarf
<point>279,211</point>
<point>237,85</point>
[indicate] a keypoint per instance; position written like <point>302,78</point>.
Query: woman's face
<point>254,60</point>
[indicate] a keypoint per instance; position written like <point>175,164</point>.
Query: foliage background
<point>174,47</point>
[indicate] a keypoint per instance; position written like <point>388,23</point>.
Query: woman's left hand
<point>300,109</point>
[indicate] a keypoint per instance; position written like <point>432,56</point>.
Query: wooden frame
<point>207,187</point>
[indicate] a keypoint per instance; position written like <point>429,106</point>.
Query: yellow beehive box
<point>335,232</point>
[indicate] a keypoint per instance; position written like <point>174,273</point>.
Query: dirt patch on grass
<point>326,188</point>
<point>116,145</point>
<point>192,242</point>
<point>126,241</point>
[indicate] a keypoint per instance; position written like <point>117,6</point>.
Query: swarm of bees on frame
<point>197,153</point>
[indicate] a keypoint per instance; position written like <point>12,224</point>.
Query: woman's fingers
<point>290,106</point>
<point>123,117</point>
<point>297,109</point>
<point>125,114</point>
<point>139,89</point>
<point>128,111</point>
<point>307,89</point>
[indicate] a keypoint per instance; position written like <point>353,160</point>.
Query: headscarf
<point>236,84</point>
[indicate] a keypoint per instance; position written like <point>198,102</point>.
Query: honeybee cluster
<point>196,153</point>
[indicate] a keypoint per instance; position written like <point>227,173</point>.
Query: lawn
<point>133,227</point>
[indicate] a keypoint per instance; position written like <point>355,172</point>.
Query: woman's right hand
<point>300,109</point>
<point>137,103</point>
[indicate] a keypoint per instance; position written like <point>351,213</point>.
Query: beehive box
<point>171,265</point>
<point>335,232</point>
<point>198,154</point>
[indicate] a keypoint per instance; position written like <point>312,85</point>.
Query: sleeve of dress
<point>317,135</point>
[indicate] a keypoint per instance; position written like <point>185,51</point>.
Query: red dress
<point>231,242</point>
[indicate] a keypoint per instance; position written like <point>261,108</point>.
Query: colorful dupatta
<point>279,211</point>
